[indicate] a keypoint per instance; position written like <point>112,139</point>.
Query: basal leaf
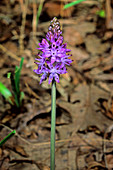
<point>5,92</point>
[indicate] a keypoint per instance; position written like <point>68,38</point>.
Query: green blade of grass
<point>73,3</point>
<point>17,78</point>
<point>15,83</point>
<point>17,75</point>
<point>7,137</point>
<point>39,11</point>
<point>16,95</point>
<point>21,97</point>
<point>5,92</point>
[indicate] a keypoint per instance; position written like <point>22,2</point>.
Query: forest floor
<point>84,123</point>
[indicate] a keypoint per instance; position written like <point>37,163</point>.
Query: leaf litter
<point>84,138</point>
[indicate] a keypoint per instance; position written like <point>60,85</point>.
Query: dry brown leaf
<point>105,77</point>
<point>72,36</point>
<point>5,163</point>
<point>95,166</point>
<point>78,55</point>
<point>43,167</point>
<point>85,27</point>
<point>109,159</point>
<point>106,109</point>
<point>1,151</point>
<point>94,45</point>
<point>7,118</point>
<point>56,9</point>
<point>5,32</point>
<point>11,46</point>
<point>104,86</point>
<point>21,151</point>
<point>108,35</point>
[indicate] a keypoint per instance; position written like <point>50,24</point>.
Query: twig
<point>104,151</point>
<point>31,91</point>
<point>34,19</point>
<point>109,17</point>
<point>21,40</point>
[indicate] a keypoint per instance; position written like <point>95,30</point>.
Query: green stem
<point>7,137</point>
<point>53,122</point>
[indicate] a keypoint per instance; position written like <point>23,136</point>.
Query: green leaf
<point>21,97</point>
<point>7,137</point>
<point>15,83</point>
<point>101,13</point>
<point>17,75</point>
<point>39,11</point>
<point>8,75</point>
<point>73,3</point>
<point>14,90</point>
<point>5,92</point>
<point>17,79</point>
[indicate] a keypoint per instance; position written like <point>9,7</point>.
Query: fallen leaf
<point>72,36</point>
<point>107,108</point>
<point>56,9</point>
<point>94,45</point>
<point>20,150</point>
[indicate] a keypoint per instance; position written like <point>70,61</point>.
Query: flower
<point>53,56</point>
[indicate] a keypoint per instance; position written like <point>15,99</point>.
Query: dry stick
<point>22,28</point>
<point>34,19</point>
<point>104,152</point>
<point>104,144</point>
<point>31,91</point>
<point>109,15</point>
<point>21,4</point>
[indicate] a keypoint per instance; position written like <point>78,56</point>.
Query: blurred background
<point>84,124</point>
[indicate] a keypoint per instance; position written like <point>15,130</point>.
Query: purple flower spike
<point>53,57</point>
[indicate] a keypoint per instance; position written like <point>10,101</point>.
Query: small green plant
<point>101,13</point>
<point>16,97</point>
<point>6,93</point>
